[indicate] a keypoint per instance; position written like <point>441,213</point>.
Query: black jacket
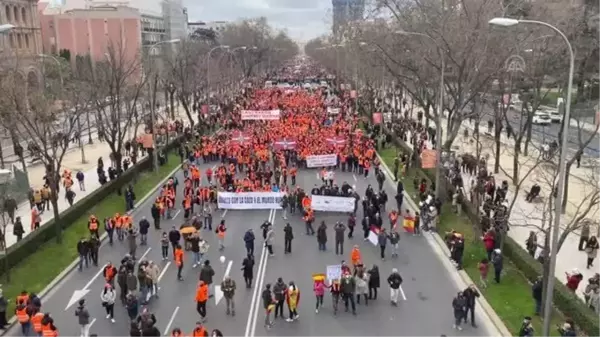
<point>267,298</point>
<point>394,280</point>
<point>470,296</point>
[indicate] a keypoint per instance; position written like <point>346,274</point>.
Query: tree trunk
<point>1,159</point>
<point>515,176</point>
<point>54,193</point>
<point>497,134</point>
<point>172,102</point>
<point>528,136</point>
<point>566,194</point>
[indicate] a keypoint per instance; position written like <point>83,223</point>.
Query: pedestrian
<point>228,289</point>
<point>498,263</point>
<point>23,316</point>
<point>537,290</point>
<point>132,242</point>
<point>591,249</point>
<point>483,267</point>
<point>248,270</point>
<point>143,227</point>
<point>526,329</point>
<point>83,251</point>
<point>108,297</point>
<point>249,241</point>
<point>340,230</point>
<point>395,282</point>
<point>374,282</point>
<point>292,297</point>
<point>206,275</point>
<point>83,318</point>
<point>194,243</point>
<point>199,330</point>
<point>134,329</point>
<point>288,236</point>
<point>394,238</point>
<point>584,236</point>
<point>174,237</point>
<point>18,229</point>
<point>164,246</point>
<point>216,333</point>
<point>279,290</point>
<point>80,179</point>
<point>268,304</point>
<point>201,299</point>
<point>382,242</point>
<point>3,308</point>
<point>335,294</point>
<point>362,284</point>
<point>348,287</point>
<point>221,234</point>
<point>322,236</point>
<point>319,290</point>
<point>178,252</point>
<point>471,295</point>
<point>269,238</point>
<point>459,304</point>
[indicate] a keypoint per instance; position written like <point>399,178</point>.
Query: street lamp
<point>208,64</point>
<point>507,22</point>
<point>153,107</point>
<point>438,120</point>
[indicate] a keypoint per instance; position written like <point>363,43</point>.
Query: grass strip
<point>511,298</point>
<point>39,269</point>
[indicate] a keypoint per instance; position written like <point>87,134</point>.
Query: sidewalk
<point>526,217</point>
<point>71,161</point>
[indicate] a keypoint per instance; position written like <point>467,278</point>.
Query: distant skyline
<point>302,19</point>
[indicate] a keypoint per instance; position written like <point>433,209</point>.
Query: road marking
<point>163,271</point>
<point>79,294</point>
<point>89,284</point>
<point>89,327</point>
<point>402,293</point>
<point>224,213</point>
<point>166,333</point>
<point>354,176</point>
<point>176,214</point>
<point>261,277</point>
<point>255,293</point>
<point>146,253</point>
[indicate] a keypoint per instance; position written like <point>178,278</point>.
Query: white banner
<point>332,204</point>
<point>333,111</point>
<point>249,200</point>
<point>260,115</point>
<point>321,160</point>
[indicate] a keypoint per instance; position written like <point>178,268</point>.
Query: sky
<point>302,19</point>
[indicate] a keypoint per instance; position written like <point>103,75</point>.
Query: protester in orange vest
<point>36,322</point>
<point>93,226</point>
<point>199,330</point>
<point>23,317</point>
<point>179,261</point>
<point>221,233</point>
<point>48,327</point>
<point>23,297</point>
<point>355,256</point>
<point>176,332</point>
<point>201,299</point>
<point>109,273</point>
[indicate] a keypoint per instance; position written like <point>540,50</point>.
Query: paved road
<point>428,294</point>
<point>548,133</point>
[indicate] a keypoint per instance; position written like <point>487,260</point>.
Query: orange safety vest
<point>23,298</point>
<point>22,315</point>
<point>178,257</point>
<point>199,332</point>
<point>36,320</point>
<point>202,293</point>
<point>48,332</point>
<point>221,233</point>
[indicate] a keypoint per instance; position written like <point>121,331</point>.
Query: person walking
<point>459,305</point>
<point>269,238</point>
<point>498,263</point>
<point>292,297</point>
<point>288,236</point>
<point>201,299</point>
<point>340,230</point>
<point>394,281</point>
<point>322,236</point>
<point>279,290</point>
<point>374,282</point>
<point>178,252</point>
<point>228,288</point>
<point>248,270</point>
<point>348,287</point>
<point>267,298</point>
<point>319,290</point>
<point>591,249</point>
<point>471,294</point>
<point>249,241</point>
<point>206,274</point>
<point>382,239</point>
<point>83,318</point>
<point>108,297</point>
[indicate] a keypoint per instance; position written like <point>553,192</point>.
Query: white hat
<point>497,250</point>
<point>575,271</point>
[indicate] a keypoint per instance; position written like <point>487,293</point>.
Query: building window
<point>12,40</point>
<point>23,15</point>
<point>27,41</point>
<point>7,9</point>
<point>19,41</point>
<point>16,14</point>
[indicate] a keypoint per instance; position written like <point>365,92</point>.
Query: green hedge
<point>564,300</point>
<point>23,249</point>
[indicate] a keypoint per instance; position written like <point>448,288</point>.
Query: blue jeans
<point>143,294</point>
<point>197,258</point>
<point>25,327</point>
<point>83,258</point>
<point>322,246</point>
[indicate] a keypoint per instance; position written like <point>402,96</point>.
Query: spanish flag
<point>409,224</point>
<point>320,277</point>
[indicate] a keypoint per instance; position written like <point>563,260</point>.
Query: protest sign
<point>333,111</point>
<point>249,200</point>
<point>321,160</point>
<point>260,115</point>
<point>332,204</point>
<point>334,272</point>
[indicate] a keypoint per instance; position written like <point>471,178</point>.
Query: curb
<point>60,277</point>
<point>437,243</point>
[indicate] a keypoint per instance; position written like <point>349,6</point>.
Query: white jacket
<point>108,297</point>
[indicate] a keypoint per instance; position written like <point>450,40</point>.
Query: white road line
<point>255,293</point>
<point>224,213</point>
<point>89,284</point>
<point>163,271</point>
<point>145,253</point>
<point>402,293</point>
<point>228,269</point>
<point>354,176</point>
<point>166,333</point>
<point>176,214</point>
<point>261,277</point>
<point>89,327</point>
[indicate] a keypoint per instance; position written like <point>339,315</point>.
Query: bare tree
<point>47,117</point>
<point>117,84</point>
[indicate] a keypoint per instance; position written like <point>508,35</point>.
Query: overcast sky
<point>303,19</point>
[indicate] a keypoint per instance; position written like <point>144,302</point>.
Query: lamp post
<point>438,119</point>
<point>507,22</point>
<point>153,108</point>
<point>208,65</point>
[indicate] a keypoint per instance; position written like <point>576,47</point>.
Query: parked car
<point>555,116</point>
<point>541,118</point>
